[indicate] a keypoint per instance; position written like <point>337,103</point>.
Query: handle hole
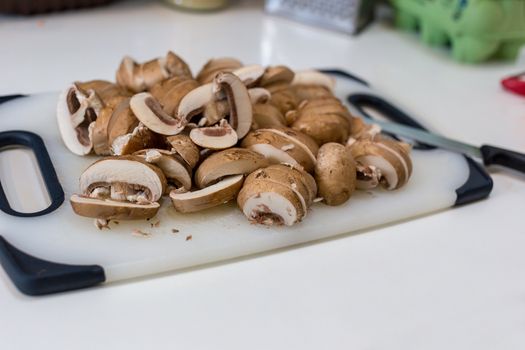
<point>22,180</point>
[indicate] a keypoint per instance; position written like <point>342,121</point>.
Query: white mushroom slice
<point>313,77</point>
<point>249,75</point>
<point>214,137</point>
<point>238,99</point>
<point>127,171</point>
<point>259,95</point>
<point>173,166</point>
<point>151,114</point>
<point>208,197</point>
<point>77,110</point>
<point>195,101</point>
<point>233,161</point>
<point>106,209</point>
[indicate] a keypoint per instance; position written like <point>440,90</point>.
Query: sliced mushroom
<point>124,188</point>
<point>214,111</point>
<point>276,75</point>
<point>140,77</point>
<point>184,146</point>
<point>114,120</point>
<point>381,161</point>
<point>232,161</point>
<point>267,116</point>
<point>195,102</point>
<point>176,170</point>
<point>105,90</point>
<point>140,138</point>
<point>216,65</point>
<point>214,137</point>
<point>283,145</point>
<point>77,111</point>
<point>249,75</point>
<point>335,173</point>
<point>107,209</point>
<point>314,78</point>
<point>211,196</point>
<point>259,95</point>
<point>276,195</point>
<point>150,113</point>
<point>238,100</point>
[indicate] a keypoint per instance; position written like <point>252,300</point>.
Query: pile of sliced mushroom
<point>274,140</point>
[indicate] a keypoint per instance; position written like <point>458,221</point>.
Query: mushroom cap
<point>310,92</point>
<point>176,66</point>
<point>130,170</point>
<point>283,145</point>
<point>150,113</point>
<point>276,75</point>
<point>216,65</point>
<point>284,99</point>
<point>77,110</point>
<point>214,137</point>
<point>112,210</point>
<point>314,77</point>
<point>214,111</point>
<point>335,173</point>
<point>208,197</point>
<point>390,157</point>
<point>323,128</point>
<point>170,96</point>
<point>238,99</point>
<point>232,161</point>
<point>184,146</point>
<point>267,116</point>
<point>249,75</point>
<point>171,164</point>
<point>294,174</point>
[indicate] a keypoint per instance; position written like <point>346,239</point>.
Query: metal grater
<point>348,16</point>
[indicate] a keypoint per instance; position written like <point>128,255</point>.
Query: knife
<point>490,155</point>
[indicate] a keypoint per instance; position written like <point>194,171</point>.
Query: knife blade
<point>490,155</point>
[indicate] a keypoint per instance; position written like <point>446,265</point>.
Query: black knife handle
<point>500,156</point>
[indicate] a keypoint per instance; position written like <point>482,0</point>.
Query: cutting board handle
<point>36,144</point>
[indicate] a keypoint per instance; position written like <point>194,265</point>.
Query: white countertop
<point>452,280</point>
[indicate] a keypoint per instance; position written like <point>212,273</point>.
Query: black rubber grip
<point>499,156</point>
<point>36,144</point>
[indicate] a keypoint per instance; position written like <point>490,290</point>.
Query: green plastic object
<point>477,30</point>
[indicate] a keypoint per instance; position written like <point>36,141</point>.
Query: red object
<point>515,84</point>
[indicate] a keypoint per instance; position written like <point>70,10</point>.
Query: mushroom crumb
<point>189,238</point>
<point>174,230</point>
<point>102,224</point>
<point>140,233</point>
<point>155,224</point>
<point>318,199</point>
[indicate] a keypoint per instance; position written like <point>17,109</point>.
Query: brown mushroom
<point>140,138</point>
<point>267,116</point>
<point>176,170</point>
<point>184,146</point>
<point>170,93</point>
<point>150,113</point>
<point>140,77</point>
<point>335,173</point>
<point>119,188</point>
<point>232,161</point>
<point>283,145</point>
<point>381,161</point>
<point>276,195</point>
<point>208,197</point>
<point>216,65</point>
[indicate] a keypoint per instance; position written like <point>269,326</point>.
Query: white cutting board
<point>216,234</point>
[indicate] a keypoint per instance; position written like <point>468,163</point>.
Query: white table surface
<point>453,280</point>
